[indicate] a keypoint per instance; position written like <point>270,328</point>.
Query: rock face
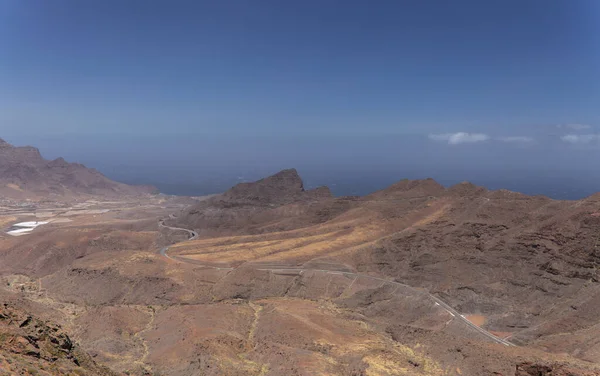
<point>269,200</point>
<point>24,173</point>
<point>536,369</point>
<point>282,188</point>
<point>27,343</point>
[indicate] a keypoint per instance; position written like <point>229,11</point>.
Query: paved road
<point>284,269</point>
<point>193,234</point>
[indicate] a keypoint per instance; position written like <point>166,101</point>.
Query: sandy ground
<point>143,313</point>
<point>478,320</point>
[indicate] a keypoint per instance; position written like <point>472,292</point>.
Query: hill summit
<point>255,202</point>
<point>284,187</point>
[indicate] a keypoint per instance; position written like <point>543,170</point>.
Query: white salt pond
<point>23,228</point>
<point>29,224</point>
<point>20,231</point>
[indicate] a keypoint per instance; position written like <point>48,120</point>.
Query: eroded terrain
<point>416,279</point>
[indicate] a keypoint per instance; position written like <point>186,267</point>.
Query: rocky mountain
<point>415,279</point>
<point>284,187</point>
<point>529,266</point>
<point>273,198</point>
<point>24,173</point>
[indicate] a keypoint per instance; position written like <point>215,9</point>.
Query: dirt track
<point>291,269</point>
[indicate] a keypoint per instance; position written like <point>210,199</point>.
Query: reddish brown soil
<point>527,265</point>
<point>478,320</point>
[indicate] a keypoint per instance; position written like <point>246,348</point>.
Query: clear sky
<point>188,91</point>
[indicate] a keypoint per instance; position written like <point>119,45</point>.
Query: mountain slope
<point>24,173</point>
<point>251,207</point>
<point>31,346</point>
<point>527,267</point>
<point>284,281</point>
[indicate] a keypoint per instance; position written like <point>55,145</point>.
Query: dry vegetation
<point>523,268</point>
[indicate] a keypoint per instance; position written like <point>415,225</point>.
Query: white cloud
<point>580,138</point>
<point>459,137</point>
<point>575,127</point>
<point>515,139</point>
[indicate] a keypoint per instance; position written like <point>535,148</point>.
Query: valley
<point>443,219</point>
<point>270,279</point>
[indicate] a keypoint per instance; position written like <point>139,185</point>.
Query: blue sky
<point>246,87</point>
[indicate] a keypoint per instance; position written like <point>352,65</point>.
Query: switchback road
<point>283,269</point>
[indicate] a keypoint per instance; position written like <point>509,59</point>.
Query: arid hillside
<point>272,279</point>
<point>24,173</point>
<point>527,266</point>
<point>34,346</point>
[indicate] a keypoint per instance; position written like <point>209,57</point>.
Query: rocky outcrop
<point>282,188</point>
<point>537,369</point>
<point>466,189</point>
<point>405,189</point>
<point>28,344</point>
<point>262,204</point>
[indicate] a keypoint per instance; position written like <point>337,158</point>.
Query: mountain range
<point>24,173</point>
<point>270,278</point>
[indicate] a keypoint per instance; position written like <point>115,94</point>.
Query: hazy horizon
<point>360,179</point>
<point>195,96</point>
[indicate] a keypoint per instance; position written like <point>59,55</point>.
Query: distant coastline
<point>559,188</point>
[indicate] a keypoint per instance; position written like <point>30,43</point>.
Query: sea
<point>556,186</point>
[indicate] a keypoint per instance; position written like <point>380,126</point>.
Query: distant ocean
<point>557,187</point>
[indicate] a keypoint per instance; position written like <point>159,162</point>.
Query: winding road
<point>454,313</point>
<point>193,235</point>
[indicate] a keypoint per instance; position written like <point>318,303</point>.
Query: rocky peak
<point>4,144</point>
<point>425,184</point>
<point>413,188</point>
<point>21,154</point>
<point>466,189</point>
<point>25,167</point>
<point>282,187</point>
<point>58,162</point>
<point>288,179</point>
